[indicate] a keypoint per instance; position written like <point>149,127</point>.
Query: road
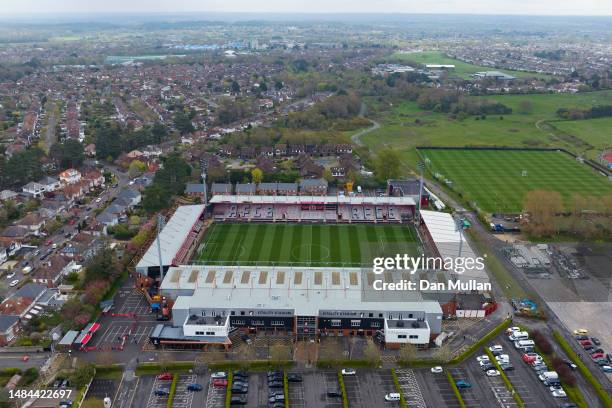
<point>356,138</point>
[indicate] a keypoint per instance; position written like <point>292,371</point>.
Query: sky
<point>524,7</point>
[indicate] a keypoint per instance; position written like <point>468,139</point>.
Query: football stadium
<point>302,265</point>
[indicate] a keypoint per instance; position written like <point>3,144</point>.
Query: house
<point>7,195</point>
<point>73,192</point>
<point>93,178</point>
<point>9,326</point>
<point>51,184</point>
<point>266,188</point>
<point>245,189</point>
<point>344,149</point>
<point>51,208</point>
<point>14,234</point>
<point>287,189</point>
<point>70,176</point>
<point>267,151</point>
<point>90,150</point>
<point>34,189</point>
<point>33,221</point>
<point>107,218</point>
<point>132,196</point>
<point>195,189</point>
<point>221,189</point>
<point>313,187</point>
<point>50,272</point>
<point>280,149</point>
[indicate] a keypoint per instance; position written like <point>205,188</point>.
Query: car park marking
<point>215,398</point>
<point>468,394</point>
<point>410,388</point>
<point>503,396</point>
<point>331,381</point>
<point>116,330</point>
<point>353,390</point>
<point>156,401</point>
<point>296,395</point>
<point>446,391</point>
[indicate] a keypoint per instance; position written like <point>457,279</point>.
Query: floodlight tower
<point>420,167</point>
<point>160,226</point>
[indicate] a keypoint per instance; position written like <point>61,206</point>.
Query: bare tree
<point>407,352</point>
<point>372,352</point>
<point>541,208</point>
<point>280,352</point>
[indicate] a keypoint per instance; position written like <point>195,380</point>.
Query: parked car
<point>606,369</point>
<point>484,357</point>
<point>275,384</point>
<point>241,374</point>
<point>463,384</point>
<point>294,378</point>
<point>595,356</point>
<point>496,349</point>
<point>597,350</point>
<point>511,330</point>
<point>492,373</point>
<point>581,337</point>
<point>194,387</point>
<point>506,367</point>
<point>218,374</point>
<point>348,371</point>
<point>333,392</point>
<point>161,392</point>
<point>559,393</point>
<point>219,382</point>
<point>581,331</point>
<point>570,364</point>
<point>392,396</point>
<point>596,341</point>
<point>488,366</point>
<point>10,275</point>
<point>436,369</point>
<point>238,400</point>
<point>165,377</point>
<point>14,283</point>
<point>239,390</point>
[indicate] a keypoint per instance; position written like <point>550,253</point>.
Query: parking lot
<point>144,395</point>
<point>473,397</point>
<point>215,397</point>
<point>129,300</point>
<point>445,391</point>
<point>100,389</point>
<point>410,388</point>
<point>296,395</point>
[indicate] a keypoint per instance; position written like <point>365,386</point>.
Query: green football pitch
<point>305,244</point>
<point>498,180</point>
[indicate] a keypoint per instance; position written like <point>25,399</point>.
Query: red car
<point>595,356</point>
<point>165,377</point>
<point>584,343</point>
<point>219,383</point>
<point>48,242</point>
<point>528,359</point>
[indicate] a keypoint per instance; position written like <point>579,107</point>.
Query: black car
<point>595,341</point>
<point>161,393</point>
<point>488,366</point>
<point>278,404</point>
<point>240,390</point>
<point>334,393</point>
<point>294,378</point>
<point>238,400</point>
<point>240,384</point>
<point>506,367</point>
<point>581,337</point>
<point>274,373</point>
<point>598,350</point>
<point>241,374</point>
<point>276,384</point>
<point>274,393</point>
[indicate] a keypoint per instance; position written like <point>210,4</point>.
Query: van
<point>393,396</point>
<point>524,344</point>
<point>521,335</point>
<point>26,270</point>
<point>549,376</point>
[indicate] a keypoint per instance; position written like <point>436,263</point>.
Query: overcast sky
<point>547,7</point>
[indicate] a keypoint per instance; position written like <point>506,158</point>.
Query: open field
<point>462,69</point>
<point>304,245</point>
<point>495,181</point>
<point>401,130</point>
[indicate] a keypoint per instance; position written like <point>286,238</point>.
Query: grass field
<point>462,69</point>
<point>304,245</point>
<point>400,129</point>
<point>493,179</point>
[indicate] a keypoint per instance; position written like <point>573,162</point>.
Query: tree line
<point>598,111</point>
<point>111,140</point>
<point>169,181</point>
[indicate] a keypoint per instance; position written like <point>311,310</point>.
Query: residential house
<point>34,189</point>
<point>267,151</point>
<point>280,149</point>
<point>313,187</point>
<point>51,184</point>
<point>51,271</point>
<point>90,150</point>
<point>107,218</point>
<point>132,196</point>
<point>51,208</point>
<point>8,195</point>
<point>33,222</point>
<point>70,176</point>
<point>9,327</point>
<point>338,172</point>
<point>93,178</point>
<point>195,190</point>
<point>14,235</point>
<point>74,192</point>
<point>245,189</point>
<point>344,149</point>
<point>20,303</point>
<point>266,188</point>
<point>221,189</point>
<point>287,189</point>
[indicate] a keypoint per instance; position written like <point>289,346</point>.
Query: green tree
<point>69,154</point>
<point>136,168</point>
<point>387,165</point>
<point>257,175</point>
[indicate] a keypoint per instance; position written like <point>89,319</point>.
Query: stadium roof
<point>449,242</point>
<point>305,290</point>
<point>268,199</point>
<point>172,236</point>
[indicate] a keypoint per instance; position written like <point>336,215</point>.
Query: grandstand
<point>331,209</point>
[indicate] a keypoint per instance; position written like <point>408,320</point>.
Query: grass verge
<point>480,343</point>
<point>156,368</point>
<point>451,380</point>
<point>509,386</point>
<point>398,389</point>
<point>345,403</point>
<point>286,389</point>
<point>172,391</point>
<point>228,392</point>
<point>586,373</point>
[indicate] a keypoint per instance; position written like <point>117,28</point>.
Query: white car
<point>581,332</point>
<point>484,363</point>
<point>496,349</point>
<point>14,283</point>
<point>436,369</point>
<point>511,330</point>
<point>502,357</point>
<point>10,275</point>
<point>348,371</point>
<point>552,388</point>
<point>559,393</point>
<point>484,357</point>
<point>492,373</point>
<point>218,375</point>
<point>98,200</point>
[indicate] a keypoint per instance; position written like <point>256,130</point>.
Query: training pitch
<point>498,180</point>
<point>305,244</point>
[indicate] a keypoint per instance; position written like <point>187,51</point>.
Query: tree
<point>541,208</point>
<point>82,375</point>
<point>407,352</point>
<point>280,352</point>
<point>332,350</point>
<point>235,88</point>
<point>257,175</point>
<point>102,266</point>
<point>387,165</point>
<point>136,169</point>
<point>442,354</point>
<point>372,352</point>
<point>69,154</point>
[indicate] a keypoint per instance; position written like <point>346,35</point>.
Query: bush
<point>342,390</point>
<point>228,395</point>
<point>29,376</point>
<point>451,380</point>
<point>398,389</point>
<point>172,391</point>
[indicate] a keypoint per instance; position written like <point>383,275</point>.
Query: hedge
<point>480,343</point>
<point>228,393</point>
<point>179,366</point>
<point>344,363</point>
<point>256,365</point>
<point>509,386</point>
<point>286,389</point>
<point>172,391</point>
<point>586,373</point>
<point>451,380</point>
<point>398,389</point>
<point>345,403</point>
